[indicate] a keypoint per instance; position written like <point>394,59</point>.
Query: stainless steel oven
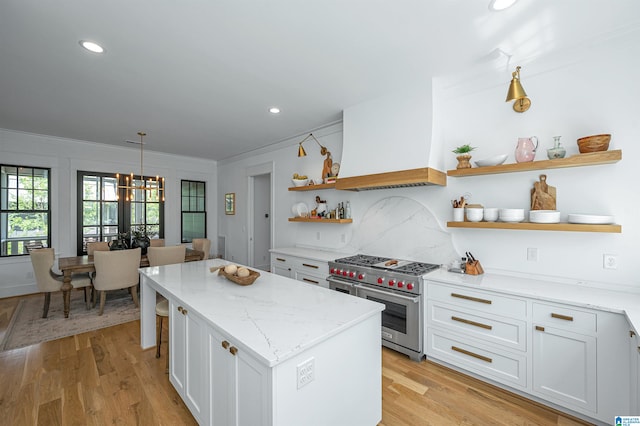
<point>398,285</point>
<point>402,318</point>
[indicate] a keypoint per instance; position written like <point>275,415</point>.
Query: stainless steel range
<point>398,284</point>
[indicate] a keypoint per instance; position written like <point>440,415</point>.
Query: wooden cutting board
<point>543,196</point>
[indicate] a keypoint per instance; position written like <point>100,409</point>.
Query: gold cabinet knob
<point>233,350</point>
<point>180,309</point>
<point>225,344</point>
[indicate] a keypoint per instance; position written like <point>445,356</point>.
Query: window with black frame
<point>193,214</point>
<point>105,209</point>
<point>25,210</point>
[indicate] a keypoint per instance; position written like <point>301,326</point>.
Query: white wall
<point>65,157</point>
<point>587,91</point>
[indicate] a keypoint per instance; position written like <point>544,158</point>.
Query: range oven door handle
<point>339,281</point>
<point>388,293</point>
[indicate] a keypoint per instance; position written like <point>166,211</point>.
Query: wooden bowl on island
<point>595,143</point>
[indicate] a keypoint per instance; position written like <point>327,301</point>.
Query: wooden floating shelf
<point>308,219</point>
<point>313,187</point>
<point>590,159</point>
<point>563,226</point>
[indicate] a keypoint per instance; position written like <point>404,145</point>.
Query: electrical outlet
<point>609,261</point>
<point>532,254</point>
<point>306,372</point>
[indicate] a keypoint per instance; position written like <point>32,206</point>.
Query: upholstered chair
<point>97,246</point>
<point>115,270</point>
<point>156,242</point>
<point>159,256</point>
<point>166,255</point>
<point>48,281</point>
<point>203,245</point>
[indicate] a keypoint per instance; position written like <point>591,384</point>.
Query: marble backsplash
<point>402,228</point>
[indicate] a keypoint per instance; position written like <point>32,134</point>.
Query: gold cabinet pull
<point>473,299</point>
<point>539,328</point>
<point>233,350</point>
<point>225,344</point>
<point>466,352</point>
<point>279,259</point>
<point>562,317</point>
<point>477,324</point>
<point>310,281</point>
<point>310,266</point>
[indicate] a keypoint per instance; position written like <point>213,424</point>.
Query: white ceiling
<point>199,75</point>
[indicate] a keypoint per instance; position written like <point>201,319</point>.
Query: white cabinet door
<point>564,367</point>
<point>634,369</point>
<point>187,369</point>
<point>240,386</point>
<point>281,265</point>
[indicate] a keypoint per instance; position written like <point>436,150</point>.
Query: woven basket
<point>594,143</point>
<point>253,275</point>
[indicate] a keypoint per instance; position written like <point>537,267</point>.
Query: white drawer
<point>478,300</point>
<point>312,279</point>
<point>501,366</point>
<point>564,317</point>
<point>486,327</point>
<point>313,266</point>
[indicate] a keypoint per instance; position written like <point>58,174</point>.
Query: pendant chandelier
<point>145,184</point>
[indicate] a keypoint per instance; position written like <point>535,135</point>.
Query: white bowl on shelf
<point>492,161</point>
<point>318,181</point>
<point>544,216</point>
<point>474,214</point>
<point>300,182</point>
<point>511,215</point>
<point>490,214</point>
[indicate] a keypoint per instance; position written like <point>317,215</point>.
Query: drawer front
<point>486,327</point>
<point>313,267</point>
<point>501,366</point>
<point>478,300</point>
<point>312,279</point>
<point>567,318</point>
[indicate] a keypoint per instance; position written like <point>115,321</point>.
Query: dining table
<point>77,264</point>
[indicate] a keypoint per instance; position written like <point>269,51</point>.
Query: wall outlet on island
<point>306,372</point>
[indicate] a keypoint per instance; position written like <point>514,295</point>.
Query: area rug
<point>27,326</point>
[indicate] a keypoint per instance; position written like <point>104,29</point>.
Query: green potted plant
<point>140,237</point>
<point>463,156</point>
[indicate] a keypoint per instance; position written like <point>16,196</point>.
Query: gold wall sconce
<point>303,153</point>
<point>329,168</point>
<point>516,93</point>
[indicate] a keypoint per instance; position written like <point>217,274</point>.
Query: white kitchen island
<point>271,353</point>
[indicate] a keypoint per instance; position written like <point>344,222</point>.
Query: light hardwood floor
<point>103,377</point>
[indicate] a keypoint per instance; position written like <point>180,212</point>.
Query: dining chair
<point>159,256</point>
<point>97,246</point>
<point>156,242</point>
<point>48,281</point>
<point>203,245</point>
<point>116,270</point>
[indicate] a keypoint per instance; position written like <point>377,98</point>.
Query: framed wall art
<point>230,203</point>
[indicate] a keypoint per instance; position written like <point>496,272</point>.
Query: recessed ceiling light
<point>91,46</point>
<point>498,5</point>
<point>274,110</point>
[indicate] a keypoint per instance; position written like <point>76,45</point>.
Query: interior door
<point>261,221</point>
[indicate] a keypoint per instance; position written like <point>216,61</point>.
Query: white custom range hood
<point>387,143</point>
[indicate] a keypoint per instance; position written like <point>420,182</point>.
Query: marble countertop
<point>622,302</point>
<point>275,318</point>
<point>308,253</point>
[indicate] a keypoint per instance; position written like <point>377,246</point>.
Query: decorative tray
<point>253,275</point>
